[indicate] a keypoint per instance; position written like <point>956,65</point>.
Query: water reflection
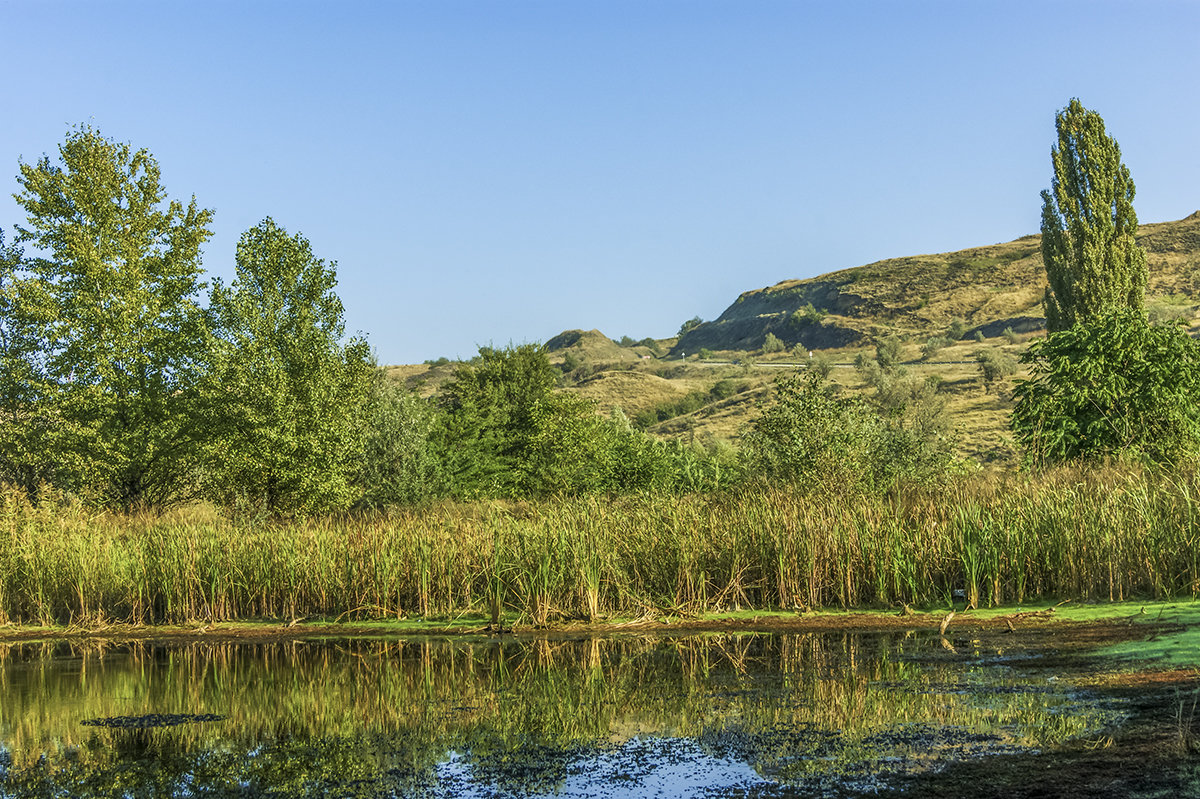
<point>515,717</point>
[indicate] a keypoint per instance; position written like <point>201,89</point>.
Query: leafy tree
<point>27,425</point>
<point>505,432</point>
<point>287,397</point>
<point>808,315</point>
<point>123,335</point>
<point>489,415</point>
<point>1094,265</point>
<point>690,324</point>
<point>868,369</point>
<point>397,465</point>
<point>1111,386</point>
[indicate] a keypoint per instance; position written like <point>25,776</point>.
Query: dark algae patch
<point>719,713</point>
<point>150,720</point>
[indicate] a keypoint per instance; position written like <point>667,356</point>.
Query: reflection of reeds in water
<point>442,695</point>
<point>1101,533</point>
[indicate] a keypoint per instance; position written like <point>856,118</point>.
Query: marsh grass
<point>1105,533</point>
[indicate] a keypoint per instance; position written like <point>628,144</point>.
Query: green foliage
<point>994,364</point>
<point>1115,386</point>
<point>723,389</point>
<point>122,333</point>
<point>489,407</point>
<point>809,436</point>
<point>571,362</point>
<point>506,433</point>
<point>821,365</point>
<point>888,351</point>
<point>627,341</point>
<point>704,354</point>
<point>979,336</point>
<point>689,403</point>
<point>397,465</point>
<point>653,346</point>
<point>1093,263</point>
<point>933,345</point>
<point>286,399</point>
<point>690,325</point>
<point>772,343</point>
<point>27,425</point>
<point>956,330</point>
<point>868,369</point>
<point>806,316</point>
<point>1009,335</point>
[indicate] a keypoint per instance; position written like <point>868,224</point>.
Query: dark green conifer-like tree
<point>1094,265</point>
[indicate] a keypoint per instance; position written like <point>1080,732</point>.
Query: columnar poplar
<point>1094,265</point>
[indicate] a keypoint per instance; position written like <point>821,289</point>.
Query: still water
<point>685,715</point>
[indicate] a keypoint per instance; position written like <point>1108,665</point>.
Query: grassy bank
<point>1106,534</point>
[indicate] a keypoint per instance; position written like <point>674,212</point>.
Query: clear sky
<point>501,170</point>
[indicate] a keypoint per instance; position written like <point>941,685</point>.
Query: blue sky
<point>486,172</point>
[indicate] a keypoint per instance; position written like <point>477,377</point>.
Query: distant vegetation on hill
<point>955,321</point>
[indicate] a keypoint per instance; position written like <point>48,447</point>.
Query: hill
<point>989,288</point>
<point>991,297</point>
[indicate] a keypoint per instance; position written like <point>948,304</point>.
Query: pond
<point>715,714</point>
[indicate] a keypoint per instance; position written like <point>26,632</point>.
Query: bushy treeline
<point>124,384</point>
<point>127,381</point>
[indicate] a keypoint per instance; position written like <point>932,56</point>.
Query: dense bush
<point>1116,386</point>
<point>810,436</point>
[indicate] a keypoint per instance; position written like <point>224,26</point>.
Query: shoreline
<point>1116,621</point>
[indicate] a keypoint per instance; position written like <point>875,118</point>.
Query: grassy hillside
<point>990,288</point>
<point>993,293</point>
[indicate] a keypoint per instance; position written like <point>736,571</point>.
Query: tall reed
<point>1104,533</point>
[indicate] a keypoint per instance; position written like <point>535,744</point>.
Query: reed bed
<point>1104,533</point>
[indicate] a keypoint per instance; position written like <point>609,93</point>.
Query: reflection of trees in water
<point>392,710</point>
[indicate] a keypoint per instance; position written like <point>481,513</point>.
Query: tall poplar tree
<point>1094,265</point>
<point>122,333</point>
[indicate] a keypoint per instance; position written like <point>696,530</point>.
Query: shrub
<point>994,364</point>
<point>773,343</point>
<point>933,345</point>
<point>868,369</point>
<point>1118,385</point>
<point>956,330</point>
<point>887,352</point>
<point>807,435</point>
<point>808,315</point>
<point>820,365</point>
